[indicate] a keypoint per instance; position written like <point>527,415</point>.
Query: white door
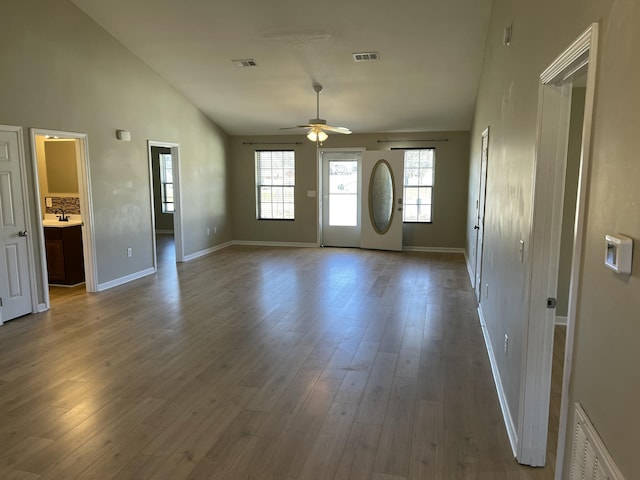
<point>15,287</point>
<point>341,181</point>
<point>382,186</point>
<point>480,206</point>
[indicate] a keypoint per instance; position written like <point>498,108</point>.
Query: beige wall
<point>606,352</point>
<point>450,189</point>
<point>61,71</point>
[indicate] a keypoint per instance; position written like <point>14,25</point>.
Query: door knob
<point>22,233</point>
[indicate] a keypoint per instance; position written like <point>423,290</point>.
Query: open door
<point>382,184</point>
<point>15,278</point>
<point>480,206</point>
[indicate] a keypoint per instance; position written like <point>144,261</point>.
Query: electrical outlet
<point>129,252</point>
<point>208,231</point>
<point>506,344</point>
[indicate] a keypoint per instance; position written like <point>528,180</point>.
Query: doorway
<point>341,190</point>
<point>480,207</point>
<point>349,180</point>
<point>63,190</point>
<point>559,83</point>
<point>164,180</point>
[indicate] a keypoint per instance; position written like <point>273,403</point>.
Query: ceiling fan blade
<point>343,130</point>
<point>297,127</point>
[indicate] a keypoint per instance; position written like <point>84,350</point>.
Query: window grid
<point>419,167</point>
<point>166,183</point>
<point>275,185</point>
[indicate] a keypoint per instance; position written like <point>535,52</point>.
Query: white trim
<point>126,279</point>
<point>207,251</point>
<point>274,244</point>
<point>86,208</point>
<point>433,249</point>
<point>579,229</point>
<point>469,269</point>
<point>502,396</point>
<point>178,227</point>
<point>42,307</point>
<point>554,100</point>
<point>560,320</point>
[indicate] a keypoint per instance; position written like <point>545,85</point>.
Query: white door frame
<point>177,214</point>
<point>542,263</point>
<point>27,215</point>
<point>86,207</point>
<point>481,209</point>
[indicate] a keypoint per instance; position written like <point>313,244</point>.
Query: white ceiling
<point>426,78</point>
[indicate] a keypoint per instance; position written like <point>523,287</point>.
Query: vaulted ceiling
<point>425,79</point>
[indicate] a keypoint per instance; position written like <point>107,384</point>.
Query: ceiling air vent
<point>246,62</point>
<point>366,56</point>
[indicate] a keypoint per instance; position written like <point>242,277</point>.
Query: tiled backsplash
<point>70,205</point>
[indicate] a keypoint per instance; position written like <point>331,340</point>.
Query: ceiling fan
<point>317,128</point>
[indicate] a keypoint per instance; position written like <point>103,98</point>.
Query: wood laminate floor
<point>258,363</point>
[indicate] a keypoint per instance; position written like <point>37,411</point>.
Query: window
<point>166,183</point>
<point>419,166</point>
<point>275,184</point>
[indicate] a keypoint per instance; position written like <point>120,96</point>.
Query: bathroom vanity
<point>65,260</point>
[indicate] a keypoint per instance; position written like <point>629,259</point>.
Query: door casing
<point>86,207</point>
<point>543,257</point>
<point>177,214</point>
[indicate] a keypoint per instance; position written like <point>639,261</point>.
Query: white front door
<point>480,206</point>
<point>15,286</point>
<point>341,181</point>
<point>382,186</point>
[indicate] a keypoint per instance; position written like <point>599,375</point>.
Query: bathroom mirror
<point>62,174</point>
<point>381,195</point>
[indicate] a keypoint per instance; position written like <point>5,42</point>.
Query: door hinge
<point>551,302</point>
<point>0,301</point>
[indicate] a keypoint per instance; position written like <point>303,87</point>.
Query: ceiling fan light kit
<point>317,135</point>
<point>317,128</point>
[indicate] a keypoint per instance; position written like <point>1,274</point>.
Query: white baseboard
<point>275,244</point>
<point>125,279</point>
<point>433,249</point>
<point>502,397</point>
<point>560,320</point>
<point>42,307</point>
<point>206,251</point>
<point>469,269</point>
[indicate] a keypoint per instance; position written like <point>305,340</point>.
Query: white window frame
<point>163,159</point>
<point>428,186</point>
<point>277,180</point>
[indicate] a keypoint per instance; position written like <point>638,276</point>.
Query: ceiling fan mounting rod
<point>318,88</point>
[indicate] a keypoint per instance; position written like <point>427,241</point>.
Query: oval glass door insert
<point>381,195</point>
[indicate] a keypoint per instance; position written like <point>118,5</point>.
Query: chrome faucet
<point>63,217</point>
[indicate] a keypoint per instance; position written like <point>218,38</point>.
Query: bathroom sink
<point>58,224</point>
